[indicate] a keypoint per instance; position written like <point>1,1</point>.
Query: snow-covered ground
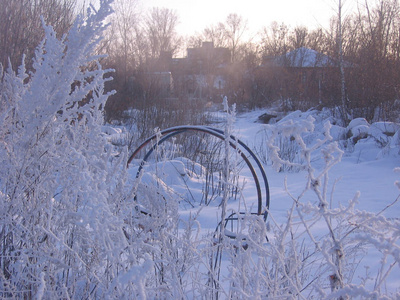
<point>74,224</point>
<point>366,170</point>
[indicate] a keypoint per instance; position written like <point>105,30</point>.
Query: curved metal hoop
<point>235,143</point>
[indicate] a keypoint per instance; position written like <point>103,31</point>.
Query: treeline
<point>370,47</point>
<point>369,40</point>
<point>21,27</point>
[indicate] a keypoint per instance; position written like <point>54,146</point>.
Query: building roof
<point>304,58</point>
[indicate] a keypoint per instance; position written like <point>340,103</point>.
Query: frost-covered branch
<point>348,231</point>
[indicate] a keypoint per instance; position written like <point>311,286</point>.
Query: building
<point>201,74</point>
<point>304,75</point>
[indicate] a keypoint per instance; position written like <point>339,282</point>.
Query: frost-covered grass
<point>331,208</point>
<point>364,174</point>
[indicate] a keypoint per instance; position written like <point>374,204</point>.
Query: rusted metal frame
<point>260,166</point>
<point>170,132</point>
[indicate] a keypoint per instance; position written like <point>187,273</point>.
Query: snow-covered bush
<point>60,217</point>
<point>317,253</point>
<point>307,261</point>
<point>369,141</point>
<point>383,131</point>
<point>283,145</point>
<point>74,224</point>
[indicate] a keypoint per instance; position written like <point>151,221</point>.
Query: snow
<point>360,170</point>
<point>338,132</point>
<point>388,128</point>
<point>359,132</point>
<point>365,177</point>
<point>357,122</point>
<point>305,58</point>
<point>76,223</point>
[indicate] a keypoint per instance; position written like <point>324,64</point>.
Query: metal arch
<point>244,157</point>
<point>233,142</point>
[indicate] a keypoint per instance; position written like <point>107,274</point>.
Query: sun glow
<point>196,15</point>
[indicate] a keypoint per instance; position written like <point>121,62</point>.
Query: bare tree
<point>213,33</point>
<point>298,38</point>
<point>274,39</point>
<point>318,40</point>
<point>375,80</point>
<point>160,26</point>
<point>121,43</point>
<point>234,28</point>
<point>216,35</point>
<point>21,28</point>
<point>341,63</point>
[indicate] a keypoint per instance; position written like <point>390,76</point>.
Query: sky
<point>195,15</point>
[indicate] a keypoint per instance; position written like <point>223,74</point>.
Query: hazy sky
<point>195,15</point>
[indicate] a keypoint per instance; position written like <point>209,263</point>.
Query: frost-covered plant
<point>315,254</point>
<point>62,207</point>
<point>282,145</point>
<point>318,252</point>
<point>71,226</point>
<point>188,261</point>
<point>337,233</point>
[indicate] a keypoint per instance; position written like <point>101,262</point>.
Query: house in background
<point>201,74</point>
<point>207,59</point>
<point>303,58</point>
<point>304,75</point>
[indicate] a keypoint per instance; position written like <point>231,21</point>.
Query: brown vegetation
<point>362,76</point>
